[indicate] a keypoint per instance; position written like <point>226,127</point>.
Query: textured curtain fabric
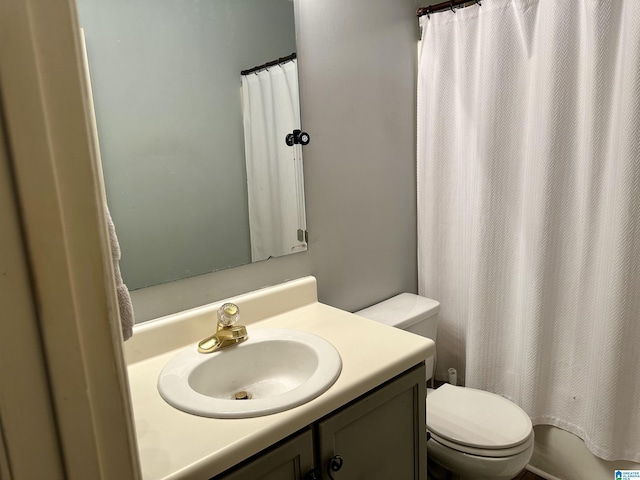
<point>274,170</point>
<point>529,207</point>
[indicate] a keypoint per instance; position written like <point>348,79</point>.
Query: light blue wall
<point>166,82</point>
<point>357,65</point>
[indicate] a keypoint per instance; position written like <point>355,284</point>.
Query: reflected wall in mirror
<point>169,100</point>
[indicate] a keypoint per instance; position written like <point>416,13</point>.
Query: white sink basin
<point>279,368</point>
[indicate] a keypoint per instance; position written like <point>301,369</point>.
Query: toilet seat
<point>491,453</point>
<point>477,422</point>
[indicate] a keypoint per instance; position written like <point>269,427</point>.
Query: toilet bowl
<point>472,434</point>
<point>476,434</point>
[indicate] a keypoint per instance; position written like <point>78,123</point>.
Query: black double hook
<point>297,137</point>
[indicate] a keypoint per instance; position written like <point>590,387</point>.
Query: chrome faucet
<point>227,332</point>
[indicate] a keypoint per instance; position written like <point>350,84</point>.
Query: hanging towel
<point>124,299</point>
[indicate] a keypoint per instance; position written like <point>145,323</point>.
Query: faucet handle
<point>228,314</point>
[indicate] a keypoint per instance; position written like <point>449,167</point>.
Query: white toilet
<point>473,434</point>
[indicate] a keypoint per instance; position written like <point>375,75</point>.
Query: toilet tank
<point>409,312</point>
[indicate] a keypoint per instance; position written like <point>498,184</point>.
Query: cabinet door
<point>288,460</point>
<point>380,436</point>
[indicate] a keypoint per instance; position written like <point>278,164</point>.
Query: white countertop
<point>177,445</point>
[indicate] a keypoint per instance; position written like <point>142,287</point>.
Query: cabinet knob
<point>313,475</point>
<point>334,465</point>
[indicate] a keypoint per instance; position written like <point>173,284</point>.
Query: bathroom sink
<point>274,370</point>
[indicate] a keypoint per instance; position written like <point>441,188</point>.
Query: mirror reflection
<point>197,172</point>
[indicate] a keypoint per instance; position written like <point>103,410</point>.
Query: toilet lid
<point>475,418</point>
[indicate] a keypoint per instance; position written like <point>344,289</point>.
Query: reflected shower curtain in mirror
<point>274,170</point>
<point>529,207</point>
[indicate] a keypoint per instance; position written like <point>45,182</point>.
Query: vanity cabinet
<point>290,459</point>
<point>378,436</point>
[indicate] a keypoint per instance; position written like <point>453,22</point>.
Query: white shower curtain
<point>270,103</point>
<point>529,207</point>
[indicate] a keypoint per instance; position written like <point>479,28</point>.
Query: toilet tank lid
<point>402,311</point>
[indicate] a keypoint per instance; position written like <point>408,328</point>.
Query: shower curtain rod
<point>273,63</point>
<point>439,7</point>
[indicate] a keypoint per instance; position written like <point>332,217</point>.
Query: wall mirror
<point>197,172</point>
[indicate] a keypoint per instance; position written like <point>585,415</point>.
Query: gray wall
<point>357,62</point>
<point>166,84</point>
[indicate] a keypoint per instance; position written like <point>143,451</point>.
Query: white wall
<point>358,80</point>
<point>357,62</point>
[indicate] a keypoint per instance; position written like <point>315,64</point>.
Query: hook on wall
<point>297,137</point>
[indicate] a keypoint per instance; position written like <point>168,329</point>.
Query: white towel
<point>124,299</point>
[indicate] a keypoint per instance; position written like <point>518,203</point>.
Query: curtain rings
<point>479,3</point>
<point>429,12</point>
<point>451,6</point>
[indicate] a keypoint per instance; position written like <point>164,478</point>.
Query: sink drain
<point>242,395</point>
